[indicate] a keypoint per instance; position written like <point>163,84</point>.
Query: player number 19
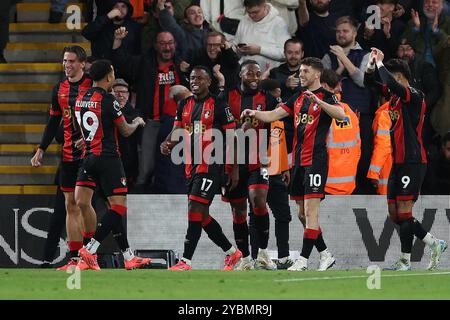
<point>405,181</point>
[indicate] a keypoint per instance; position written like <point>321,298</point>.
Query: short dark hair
<point>253,3</point>
<point>293,41</point>
<point>399,66</point>
<point>313,62</point>
<point>204,68</point>
<point>248,62</point>
<point>216,33</point>
<point>445,138</point>
<point>187,8</point>
<point>79,52</point>
<point>330,77</point>
<point>100,69</point>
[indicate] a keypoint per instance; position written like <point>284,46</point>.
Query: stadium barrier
<point>356,229</point>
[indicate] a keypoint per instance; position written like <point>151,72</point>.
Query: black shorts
<point>309,182</point>
<point>405,181</point>
<point>202,187</point>
<point>68,175</point>
<point>248,180</point>
<point>104,172</point>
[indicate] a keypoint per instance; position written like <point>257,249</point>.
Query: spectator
<point>287,10</point>
<point>191,37</point>
<point>261,34</point>
<point>386,37</point>
<point>288,73</point>
<point>343,143</point>
<point>316,27</point>
<point>232,9</point>
<point>218,52</point>
<point>152,73</point>
<point>128,145</point>
<point>437,179</point>
<point>4,27</point>
<point>349,60</point>
<point>101,31</point>
<point>425,78</point>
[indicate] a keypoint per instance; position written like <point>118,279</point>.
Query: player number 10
<point>315,180</point>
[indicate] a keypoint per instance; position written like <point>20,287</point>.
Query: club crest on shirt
<point>207,114</point>
<point>116,105</point>
<point>315,107</point>
<point>259,107</point>
<point>123,180</point>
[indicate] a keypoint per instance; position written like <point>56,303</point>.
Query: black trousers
<point>278,201</point>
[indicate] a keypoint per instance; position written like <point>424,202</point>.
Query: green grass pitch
<point>219,285</point>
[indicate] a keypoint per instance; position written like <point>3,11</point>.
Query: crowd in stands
<point>154,44</point>
<point>159,51</point>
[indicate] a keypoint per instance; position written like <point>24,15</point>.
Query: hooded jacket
<point>270,33</point>
<point>100,33</point>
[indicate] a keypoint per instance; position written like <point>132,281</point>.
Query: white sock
<point>128,254</point>
<point>324,252</point>
<point>92,246</point>
<point>283,260</point>
<point>187,261</point>
<point>430,240</point>
<point>406,256</point>
<point>247,258</point>
<point>230,251</point>
<point>303,258</point>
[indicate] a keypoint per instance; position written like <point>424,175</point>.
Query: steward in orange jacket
<point>381,162</point>
<point>343,144</point>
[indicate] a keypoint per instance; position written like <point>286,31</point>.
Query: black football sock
<point>215,233</point>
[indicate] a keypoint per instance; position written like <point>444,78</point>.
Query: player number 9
<point>90,125</point>
<point>405,180</point>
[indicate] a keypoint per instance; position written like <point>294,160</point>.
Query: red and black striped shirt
<point>407,117</point>
<point>63,105</point>
<point>97,112</point>
<point>311,126</point>
<point>239,101</point>
<point>198,118</point>
<point>166,77</point>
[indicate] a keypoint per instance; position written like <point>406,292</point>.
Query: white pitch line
<point>365,276</point>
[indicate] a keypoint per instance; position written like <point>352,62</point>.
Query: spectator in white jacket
<point>261,34</point>
<point>233,9</point>
<point>287,10</point>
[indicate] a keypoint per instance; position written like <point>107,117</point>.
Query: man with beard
<point>312,109</point>
<point>316,27</point>
<point>253,174</point>
<point>100,32</point>
<point>218,52</point>
<point>349,61</point>
<point>425,78</point>
<point>152,74</point>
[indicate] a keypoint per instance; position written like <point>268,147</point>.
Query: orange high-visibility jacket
<point>381,162</point>
<point>344,151</point>
<point>277,153</point>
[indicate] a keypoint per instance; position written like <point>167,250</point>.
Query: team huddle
<point>91,160</point>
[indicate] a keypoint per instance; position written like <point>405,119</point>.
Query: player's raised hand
<point>79,144</point>
<point>166,146</point>
<point>114,13</point>
<point>312,96</point>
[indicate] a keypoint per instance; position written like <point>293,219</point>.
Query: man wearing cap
<point>127,146</point>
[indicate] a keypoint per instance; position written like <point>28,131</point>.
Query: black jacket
<point>140,71</point>
<point>101,34</point>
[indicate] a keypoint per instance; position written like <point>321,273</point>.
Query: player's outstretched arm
<point>334,110</point>
<point>126,129</point>
<point>266,116</point>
